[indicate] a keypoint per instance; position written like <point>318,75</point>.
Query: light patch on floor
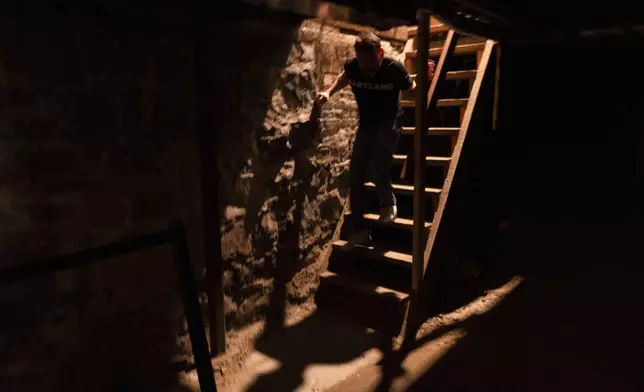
<point>423,357</point>
<point>364,373</point>
<point>320,377</point>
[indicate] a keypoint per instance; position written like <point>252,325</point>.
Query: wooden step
<point>452,102</point>
<point>435,28</point>
<point>375,253</point>
<point>460,50</point>
<point>431,161</point>
<point>369,304</point>
<point>406,189</point>
<point>366,288</point>
<point>435,131</point>
<point>401,223</point>
<point>447,102</point>
<point>455,75</point>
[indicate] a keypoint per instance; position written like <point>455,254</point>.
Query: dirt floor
<point>557,309</point>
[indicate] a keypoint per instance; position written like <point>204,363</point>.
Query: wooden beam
<point>360,29</point>
<point>422,122</point>
<point>204,93</point>
<point>435,28</point>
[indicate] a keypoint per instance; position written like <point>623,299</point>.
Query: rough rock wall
<point>290,183</point>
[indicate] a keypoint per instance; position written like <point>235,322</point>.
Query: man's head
<point>369,53</point>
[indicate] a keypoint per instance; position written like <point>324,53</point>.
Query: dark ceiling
<point>517,20</point>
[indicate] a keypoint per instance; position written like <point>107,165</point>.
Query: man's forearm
<point>340,83</point>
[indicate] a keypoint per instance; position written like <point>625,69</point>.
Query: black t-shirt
<point>378,95</point>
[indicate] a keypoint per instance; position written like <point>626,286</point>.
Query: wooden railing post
<point>422,84</point>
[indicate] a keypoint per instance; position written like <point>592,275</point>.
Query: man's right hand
<point>323,97</point>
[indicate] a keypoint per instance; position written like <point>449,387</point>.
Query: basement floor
<point>557,310</point>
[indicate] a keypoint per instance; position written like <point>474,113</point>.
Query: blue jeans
<point>372,157</point>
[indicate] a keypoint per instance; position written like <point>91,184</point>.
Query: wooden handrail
<point>175,235</point>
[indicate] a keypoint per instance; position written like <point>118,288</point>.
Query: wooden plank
<point>375,253</point>
<point>461,75</point>
<point>401,223</point>
<point>360,29</point>
<point>433,131</point>
<point>373,306</point>
<point>435,28</point>
<point>418,153</point>
<point>430,161</point>
<point>406,189</point>
<point>456,75</point>
<point>366,288</point>
<point>452,102</point>
<point>460,50</point>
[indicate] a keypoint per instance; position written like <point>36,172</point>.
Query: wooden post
<point>420,136</point>
<point>204,91</point>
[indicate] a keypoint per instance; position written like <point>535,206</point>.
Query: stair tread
<point>455,75</point>
<point>452,102</point>
<point>458,50</point>
<point>399,222</point>
<point>364,287</point>
<point>377,252</point>
<point>406,188</point>
<point>429,160</point>
<point>444,102</point>
<point>449,131</point>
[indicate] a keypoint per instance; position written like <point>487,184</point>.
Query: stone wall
<point>97,143</point>
<point>284,164</point>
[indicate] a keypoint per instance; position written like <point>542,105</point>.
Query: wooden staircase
<point>373,284</point>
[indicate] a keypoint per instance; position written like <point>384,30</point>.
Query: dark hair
<point>367,42</point>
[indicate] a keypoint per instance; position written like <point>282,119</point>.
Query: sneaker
<point>388,214</point>
<point>359,237</point>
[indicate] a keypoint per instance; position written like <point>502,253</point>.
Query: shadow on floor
<point>321,339</point>
<point>572,324</point>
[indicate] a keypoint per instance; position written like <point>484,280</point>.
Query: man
<point>376,82</point>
